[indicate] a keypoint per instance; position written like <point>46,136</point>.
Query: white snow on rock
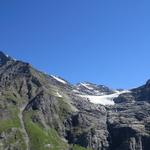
<point>59,95</point>
<point>86,86</point>
<point>12,58</point>
<point>104,99</point>
<point>58,79</point>
<point>76,91</point>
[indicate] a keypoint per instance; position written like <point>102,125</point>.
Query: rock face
<point>42,112</point>
<point>92,89</point>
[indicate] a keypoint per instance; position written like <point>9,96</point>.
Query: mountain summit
<point>46,112</point>
<point>4,58</point>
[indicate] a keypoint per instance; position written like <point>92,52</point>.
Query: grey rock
<point>50,104</point>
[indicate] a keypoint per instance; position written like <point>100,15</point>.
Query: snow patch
<point>59,95</point>
<point>87,86</point>
<point>58,79</point>
<point>104,99</point>
<point>76,91</point>
<point>14,59</point>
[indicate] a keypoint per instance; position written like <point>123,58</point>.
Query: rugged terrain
<point>45,112</point>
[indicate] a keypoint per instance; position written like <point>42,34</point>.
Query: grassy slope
<point>77,147</point>
<point>12,128</point>
<point>41,139</point>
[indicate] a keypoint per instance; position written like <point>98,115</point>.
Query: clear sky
<point>101,41</point>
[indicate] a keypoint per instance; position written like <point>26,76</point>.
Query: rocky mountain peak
<point>93,89</point>
<point>4,58</point>
<point>148,83</point>
<point>41,112</point>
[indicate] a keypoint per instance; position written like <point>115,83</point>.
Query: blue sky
<point>101,41</point>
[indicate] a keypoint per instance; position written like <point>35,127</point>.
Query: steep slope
<point>21,87</point>
<point>92,89</point>
<point>42,112</point>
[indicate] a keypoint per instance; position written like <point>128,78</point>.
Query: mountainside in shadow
<point>45,112</point>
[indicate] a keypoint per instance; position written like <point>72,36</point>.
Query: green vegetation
<point>64,108</point>
<point>41,139</point>
<point>8,124</point>
<point>11,97</point>
<point>12,128</point>
<point>12,121</point>
<point>15,136</point>
<point>77,147</point>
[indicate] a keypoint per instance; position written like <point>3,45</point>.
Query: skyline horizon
<point>73,83</point>
<point>104,42</point>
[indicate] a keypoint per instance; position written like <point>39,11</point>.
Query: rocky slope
<point>43,112</point>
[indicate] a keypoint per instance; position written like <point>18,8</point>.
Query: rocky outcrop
<point>92,89</point>
<point>127,126</point>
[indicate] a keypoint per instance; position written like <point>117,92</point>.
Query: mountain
<point>92,89</point>
<point>46,112</point>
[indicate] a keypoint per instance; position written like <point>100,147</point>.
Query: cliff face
<point>42,112</point>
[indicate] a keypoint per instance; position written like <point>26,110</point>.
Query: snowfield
<point>104,99</point>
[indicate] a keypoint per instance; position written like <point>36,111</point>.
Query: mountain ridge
<point>44,112</point>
